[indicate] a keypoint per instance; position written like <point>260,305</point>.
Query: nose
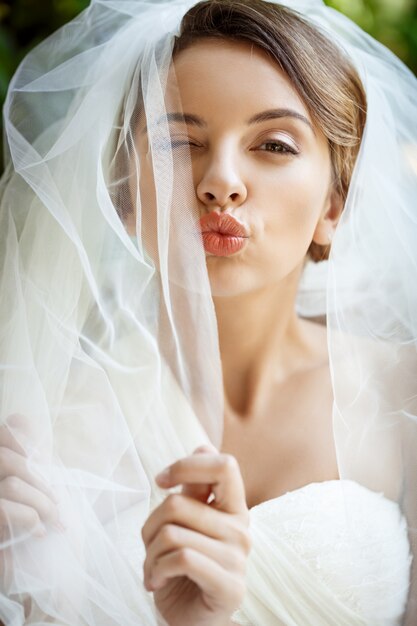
<point>221,185</point>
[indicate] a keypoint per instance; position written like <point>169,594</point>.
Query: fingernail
<point>163,477</point>
<point>207,448</point>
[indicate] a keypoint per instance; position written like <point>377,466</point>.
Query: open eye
<point>277,147</point>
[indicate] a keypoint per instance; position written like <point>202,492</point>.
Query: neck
<point>259,333</point>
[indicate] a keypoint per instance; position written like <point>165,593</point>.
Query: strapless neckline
<point>301,489</point>
<point>329,552</point>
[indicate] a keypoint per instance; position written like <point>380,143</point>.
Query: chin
<point>231,276</point>
<point>229,279</point>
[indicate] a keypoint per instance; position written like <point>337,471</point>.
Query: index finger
<point>220,471</point>
<point>8,440</point>
<point>27,435</point>
<point>198,491</point>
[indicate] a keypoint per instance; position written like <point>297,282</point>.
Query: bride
<point>208,355</point>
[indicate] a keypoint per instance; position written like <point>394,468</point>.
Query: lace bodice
<point>328,554</point>
<point>340,547</point>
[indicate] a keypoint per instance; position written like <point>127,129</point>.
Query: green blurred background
<point>24,23</point>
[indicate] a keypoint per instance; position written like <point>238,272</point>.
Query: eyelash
<point>169,145</point>
<point>284,148</point>
<point>180,143</point>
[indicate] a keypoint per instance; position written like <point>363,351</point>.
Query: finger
<point>200,492</point>
<point>16,516</point>
<point>16,490</point>
<point>221,588</point>
<point>172,537</point>
<point>8,440</point>
<point>14,464</point>
<point>221,471</point>
<point>21,434</point>
<point>189,513</point>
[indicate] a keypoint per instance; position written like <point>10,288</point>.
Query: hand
<point>196,551</point>
<point>26,502</point>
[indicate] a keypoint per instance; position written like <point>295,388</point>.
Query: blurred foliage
<point>392,22</point>
<point>24,23</point>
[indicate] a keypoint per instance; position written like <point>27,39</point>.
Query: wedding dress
<point>314,563</point>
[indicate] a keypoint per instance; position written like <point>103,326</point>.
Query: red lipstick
<point>222,234</point>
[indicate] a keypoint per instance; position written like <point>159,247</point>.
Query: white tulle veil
<point>108,341</point>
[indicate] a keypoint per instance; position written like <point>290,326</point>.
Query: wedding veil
<point>108,336</point>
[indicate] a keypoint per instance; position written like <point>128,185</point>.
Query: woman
<point>225,148</point>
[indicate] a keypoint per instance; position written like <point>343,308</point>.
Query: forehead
<point>212,73</point>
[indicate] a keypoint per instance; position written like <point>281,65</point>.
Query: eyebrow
<point>273,114</point>
<point>183,118</point>
<point>258,118</point>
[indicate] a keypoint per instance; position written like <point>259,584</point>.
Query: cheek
<point>143,202</point>
<point>174,203</point>
<point>293,207</point>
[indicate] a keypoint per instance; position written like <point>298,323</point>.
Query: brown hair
<point>325,79</point>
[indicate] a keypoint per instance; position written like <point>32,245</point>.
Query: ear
<point>329,218</point>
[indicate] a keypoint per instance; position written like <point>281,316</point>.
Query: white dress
<point>328,554</point>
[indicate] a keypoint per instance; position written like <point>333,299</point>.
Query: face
<point>256,156</point>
